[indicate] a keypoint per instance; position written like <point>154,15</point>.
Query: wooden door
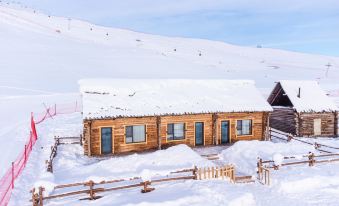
<point>317,126</point>
<point>199,133</point>
<point>106,140</point>
<point>225,132</point>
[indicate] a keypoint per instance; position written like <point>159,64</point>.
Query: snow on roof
<point>104,98</point>
<point>312,97</point>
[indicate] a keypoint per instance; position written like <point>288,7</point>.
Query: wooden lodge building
<point>302,108</point>
<point>131,115</point>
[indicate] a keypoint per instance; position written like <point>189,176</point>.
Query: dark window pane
<point>239,127</point>
<point>129,131</point>
<point>170,131</point>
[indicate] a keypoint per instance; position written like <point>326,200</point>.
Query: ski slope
<point>39,52</point>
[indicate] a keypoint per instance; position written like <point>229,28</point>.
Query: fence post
<point>25,154</point>
<point>311,159</point>
<point>289,137</point>
<point>41,197</point>
<point>195,173</point>
<point>55,109</point>
<point>12,175</point>
<point>33,129</point>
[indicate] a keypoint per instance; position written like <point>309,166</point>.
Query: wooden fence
<point>92,189</point>
<point>217,172</point>
<point>59,141</point>
<point>263,172</point>
<point>288,137</point>
<point>264,166</point>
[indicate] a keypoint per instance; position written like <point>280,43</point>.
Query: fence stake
<point>41,197</point>
<point>25,154</point>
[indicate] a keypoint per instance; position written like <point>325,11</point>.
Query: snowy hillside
<point>38,52</point>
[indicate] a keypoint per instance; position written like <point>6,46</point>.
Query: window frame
<point>241,125</point>
<point>132,127</point>
<point>174,138</point>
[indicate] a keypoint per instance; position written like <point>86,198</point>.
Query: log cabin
<point>302,108</point>
<point>135,115</point>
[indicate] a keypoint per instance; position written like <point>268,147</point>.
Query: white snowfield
<point>147,97</point>
<point>312,98</point>
<point>41,60</point>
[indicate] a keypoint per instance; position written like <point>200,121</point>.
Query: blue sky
<point>310,26</point>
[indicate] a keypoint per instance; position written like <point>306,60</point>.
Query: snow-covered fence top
<point>103,98</point>
<point>307,96</point>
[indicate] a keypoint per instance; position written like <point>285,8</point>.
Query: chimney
<point>298,93</point>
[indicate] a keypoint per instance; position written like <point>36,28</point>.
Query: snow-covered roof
<point>312,97</point>
<point>104,98</point>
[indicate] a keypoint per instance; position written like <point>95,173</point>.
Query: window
<point>135,134</point>
<point>244,127</point>
<point>175,131</point>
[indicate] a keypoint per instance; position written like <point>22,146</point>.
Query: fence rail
<point>288,137</point>
<point>93,188</point>
<point>264,166</point>
<point>7,182</point>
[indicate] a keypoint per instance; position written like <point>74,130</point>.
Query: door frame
<point>204,133</point>
<point>112,127</point>
<point>229,130</point>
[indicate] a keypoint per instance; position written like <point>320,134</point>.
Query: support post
<point>159,131</point>
<point>214,129</point>
<point>336,129</point>
<point>80,140</point>
<point>89,139</point>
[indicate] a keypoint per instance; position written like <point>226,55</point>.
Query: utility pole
<point>69,23</point>
<point>328,68</point>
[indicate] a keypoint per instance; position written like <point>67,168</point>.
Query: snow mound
<point>314,183</point>
<point>278,159</point>
<point>162,162</point>
<point>244,200</point>
<point>244,154</point>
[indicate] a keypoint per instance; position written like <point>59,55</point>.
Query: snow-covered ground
<point>297,185</point>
